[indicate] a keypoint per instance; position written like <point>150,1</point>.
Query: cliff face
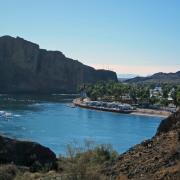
<point>24,67</point>
<point>157,158</point>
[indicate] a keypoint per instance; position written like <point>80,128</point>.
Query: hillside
<point>24,67</point>
<point>157,158</point>
<point>158,78</point>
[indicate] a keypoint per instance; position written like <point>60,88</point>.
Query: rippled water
<point>50,121</point>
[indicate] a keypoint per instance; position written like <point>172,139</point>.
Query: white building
<point>156,92</point>
<point>170,94</point>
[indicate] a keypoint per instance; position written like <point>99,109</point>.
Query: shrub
<point>85,161</point>
<point>8,172</point>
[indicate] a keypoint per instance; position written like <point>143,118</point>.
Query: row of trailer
<point>108,106</point>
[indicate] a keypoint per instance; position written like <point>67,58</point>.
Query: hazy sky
<point>128,36</point>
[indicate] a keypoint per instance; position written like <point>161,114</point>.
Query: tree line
<point>116,91</point>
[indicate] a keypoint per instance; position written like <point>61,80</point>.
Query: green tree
<point>178,98</point>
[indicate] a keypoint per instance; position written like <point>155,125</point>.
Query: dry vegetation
<point>80,163</point>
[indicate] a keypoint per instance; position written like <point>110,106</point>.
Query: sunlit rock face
<point>24,67</point>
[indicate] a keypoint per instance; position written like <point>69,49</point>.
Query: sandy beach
<point>151,112</point>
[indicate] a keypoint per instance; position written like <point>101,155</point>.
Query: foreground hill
<point>24,67</point>
<point>157,158</point>
<point>158,78</point>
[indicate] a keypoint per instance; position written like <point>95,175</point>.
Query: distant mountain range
<point>124,77</point>
<point>158,78</point>
<point>127,76</point>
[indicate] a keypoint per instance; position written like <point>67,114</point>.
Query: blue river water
<point>50,120</point>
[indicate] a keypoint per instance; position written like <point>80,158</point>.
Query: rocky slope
<point>24,67</point>
<point>25,153</point>
<point>158,78</point>
<point>157,158</point>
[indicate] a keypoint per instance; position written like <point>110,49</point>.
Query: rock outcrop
<point>24,67</point>
<point>25,153</point>
<point>172,123</point>
<point>157,158</point>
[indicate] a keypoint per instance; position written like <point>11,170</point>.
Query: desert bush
<point>85,161</point>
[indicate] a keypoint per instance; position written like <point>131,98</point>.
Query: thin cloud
<point>136,69</point>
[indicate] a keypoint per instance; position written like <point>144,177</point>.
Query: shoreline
<point>151,112</point>
<point>147,114</point>
<point>138,111</point>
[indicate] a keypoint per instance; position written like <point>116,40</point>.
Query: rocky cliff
<point>157,158</point>
<point>24,67</point>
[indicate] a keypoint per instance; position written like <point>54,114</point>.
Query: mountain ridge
<point>159,77</point>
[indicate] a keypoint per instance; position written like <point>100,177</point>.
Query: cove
<point>50,120</point>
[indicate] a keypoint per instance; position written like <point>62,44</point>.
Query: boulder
<point>25,153</point>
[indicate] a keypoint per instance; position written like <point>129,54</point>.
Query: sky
<point>128,36</point>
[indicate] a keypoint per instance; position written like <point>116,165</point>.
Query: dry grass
<point>8,172</point>
<point>82,162</point>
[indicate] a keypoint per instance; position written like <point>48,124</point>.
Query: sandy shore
<point>151,112</point>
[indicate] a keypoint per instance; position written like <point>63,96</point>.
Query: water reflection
<point>31,102</point>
